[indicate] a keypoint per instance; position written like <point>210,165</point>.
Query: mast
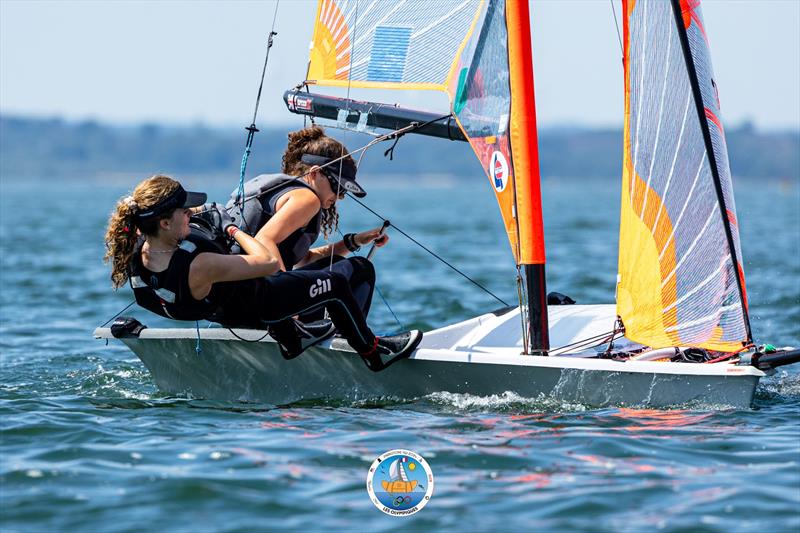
<point>528,198</point>
<point>712,160</point>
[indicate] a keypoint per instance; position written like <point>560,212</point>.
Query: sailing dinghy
<point>679,332</point>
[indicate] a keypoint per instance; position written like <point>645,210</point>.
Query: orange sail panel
<point>493,102</point>
<point>680,281</point>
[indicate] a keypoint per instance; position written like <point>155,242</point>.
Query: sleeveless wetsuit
<point>263,192</point>
<point>268,189</point>
<point>261,302</point>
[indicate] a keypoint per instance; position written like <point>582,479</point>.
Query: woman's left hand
<point>373,235</point>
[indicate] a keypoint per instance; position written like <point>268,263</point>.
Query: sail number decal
<point>498,170</point>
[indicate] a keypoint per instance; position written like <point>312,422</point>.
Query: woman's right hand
<point>376,235</point>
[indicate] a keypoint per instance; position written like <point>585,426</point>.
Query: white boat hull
<point>457,359</point>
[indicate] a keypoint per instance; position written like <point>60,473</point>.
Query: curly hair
<point>312,140</point>
<point>123,231</point>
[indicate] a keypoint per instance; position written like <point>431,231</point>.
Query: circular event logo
<point>400,482</point>
<point>498,166</point>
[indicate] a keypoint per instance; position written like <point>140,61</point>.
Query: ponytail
<point>123,230</point>
<point>312,140</point>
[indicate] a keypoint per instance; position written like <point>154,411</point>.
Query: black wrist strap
<point>350,242</point>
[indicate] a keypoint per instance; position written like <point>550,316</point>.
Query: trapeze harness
<point>262,303</point>
<point>262,194</point>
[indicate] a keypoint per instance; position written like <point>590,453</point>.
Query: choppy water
<point>88,443</point>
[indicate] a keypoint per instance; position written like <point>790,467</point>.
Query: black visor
<point>180,198</point>
<point>342,172</point>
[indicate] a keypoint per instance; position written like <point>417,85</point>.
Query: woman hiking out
<point>182,273</point>
<point>286,212</point>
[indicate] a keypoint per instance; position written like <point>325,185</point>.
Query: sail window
<point>389,53</point>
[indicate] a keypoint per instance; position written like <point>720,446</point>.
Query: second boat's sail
<point>680,277</point>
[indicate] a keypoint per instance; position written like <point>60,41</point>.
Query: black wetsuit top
<point>257,212</point>
<point>167,293</point>
<point>256,303</point>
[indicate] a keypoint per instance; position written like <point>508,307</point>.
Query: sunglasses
<point>336,187</point>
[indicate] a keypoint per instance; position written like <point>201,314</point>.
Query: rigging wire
<point>391,136</point>
<point>385,301</point>
<point>117,314</point>
<point>616,23</point>
<point>251,129</point>
<point>388,136</point>
<point>588,342</point>
<point>431,252</point>
<point>347,111</point>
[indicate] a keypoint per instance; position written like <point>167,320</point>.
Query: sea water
<point>90,444</point>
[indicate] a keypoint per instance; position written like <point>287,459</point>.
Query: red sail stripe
<point>689,14</point>
<point>744,288</point>
<point>732,217</point>
<point>713,118</point>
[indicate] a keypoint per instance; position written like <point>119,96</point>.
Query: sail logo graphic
<point>400,482</point>
<point>498,168</point>
<point>320,287</point>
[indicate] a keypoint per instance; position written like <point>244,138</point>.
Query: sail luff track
<point>703,119</point>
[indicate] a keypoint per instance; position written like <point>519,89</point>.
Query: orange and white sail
<point>477,51</point>
<point>680,278</point>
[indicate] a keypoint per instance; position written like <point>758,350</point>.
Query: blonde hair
<point>312,140</point>
<point>123,230</point>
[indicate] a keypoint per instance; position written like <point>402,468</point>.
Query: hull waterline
<point>456,359</point>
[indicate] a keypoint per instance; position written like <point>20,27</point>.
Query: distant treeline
<point>58,149</point>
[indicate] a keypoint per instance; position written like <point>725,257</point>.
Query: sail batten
<point>680,281</point>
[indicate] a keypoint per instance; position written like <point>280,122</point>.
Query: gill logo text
<point>320,287</point>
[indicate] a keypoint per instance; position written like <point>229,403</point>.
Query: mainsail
<point>680,280</point>
<point>479,53</point>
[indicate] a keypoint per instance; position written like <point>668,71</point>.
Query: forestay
<point>680,278</point>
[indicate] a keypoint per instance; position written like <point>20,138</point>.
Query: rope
<point>595,340</point>
<point>399,323</point>
<point>389,136</point>
<point>385,301</point>
<point>118,313</point>
<point>261,338</point>
<point>197,349</point>
<point>431,252</point>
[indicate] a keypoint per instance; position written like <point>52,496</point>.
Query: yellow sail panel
<point>677,282</point>
<point>389,45</point>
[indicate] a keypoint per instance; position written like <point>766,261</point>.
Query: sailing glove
<point>225,220</point>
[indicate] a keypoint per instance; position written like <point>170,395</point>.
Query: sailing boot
<point>389,350</point>
<point>306,336</point>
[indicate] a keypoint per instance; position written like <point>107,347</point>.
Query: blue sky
<point>184,62</point>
